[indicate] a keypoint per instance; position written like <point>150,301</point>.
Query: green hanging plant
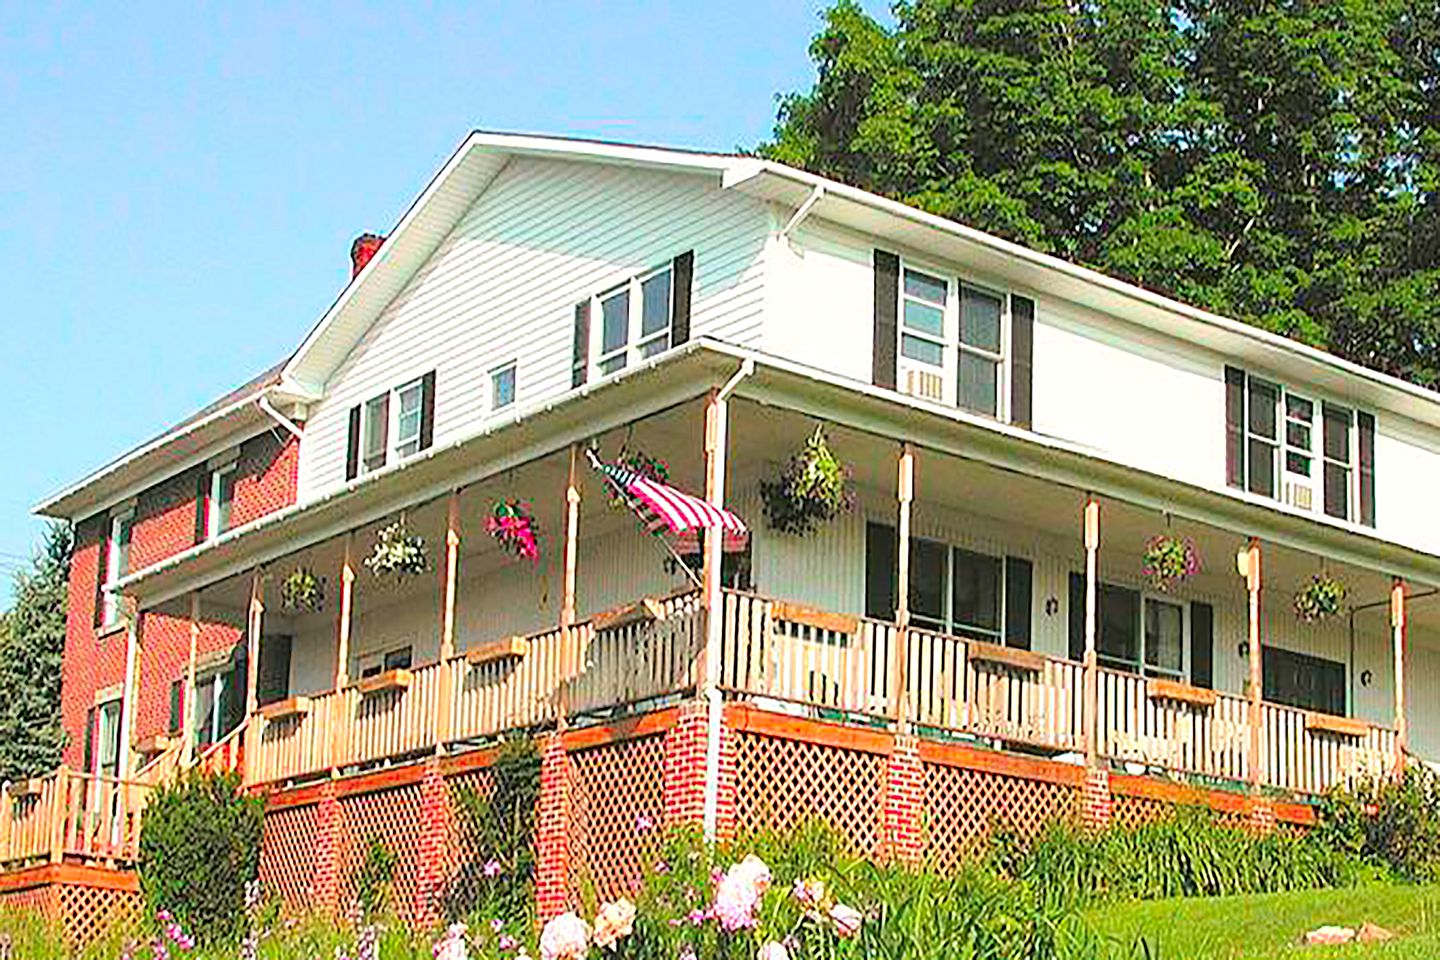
<point>302,591</point>
<point>813,489</point>
<point>398,553</point>
<point>1169,560</point>
<point>1322,597</point>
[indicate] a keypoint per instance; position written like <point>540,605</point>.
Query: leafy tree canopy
<point>1277,162</point>
<point>32,643</point>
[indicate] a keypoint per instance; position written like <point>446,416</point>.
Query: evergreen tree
<point>32,644</point>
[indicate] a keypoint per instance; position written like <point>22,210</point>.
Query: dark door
<point>1303,681</point>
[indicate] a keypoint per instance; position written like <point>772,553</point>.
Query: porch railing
<point>71,816</point>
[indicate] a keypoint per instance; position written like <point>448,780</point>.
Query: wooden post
<point>187,755</point>
<point>129,687</point>
<point>1248,564</point>
<point>339,718</point>
<point>1397,629</point>
<point>1091,703</point>
<point>905,494</point>
<point>444,704</point>
<point>7,823</point>
<point>59,810</point>
<point>708,672</point>
<point>254,624</point>
<point>570,656</point>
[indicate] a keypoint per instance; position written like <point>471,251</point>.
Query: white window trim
<point>110,602</point>
<point>951,346</point>
<point>514,367</point>
<point>394,441</point>
<point>98,758</point>
<point>634,345</point>
<point>1319,401</point>
<point>212,505</point>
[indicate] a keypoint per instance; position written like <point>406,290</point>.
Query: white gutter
<point>280,418</point>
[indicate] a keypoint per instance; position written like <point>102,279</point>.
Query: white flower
<point>565,937</point>
<point>773,951</point>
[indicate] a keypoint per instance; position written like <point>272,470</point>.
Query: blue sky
<point>179,186</point>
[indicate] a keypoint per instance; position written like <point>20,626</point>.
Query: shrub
<point>498,825</point>
<point>1390,823</point>
<point>199,846</point>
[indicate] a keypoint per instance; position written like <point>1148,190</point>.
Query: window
<point>1337,461</point>
<point>408,415</point>
<point>953,353</point>
<point>117,563</point>
<point>107,719</point>
<point>502,386</point>
<point>219,701</point>
<point>952,590</point>
<point>373,664</point>
<point>1262,437</point>
<point>922,336</point>
<point>982,317</point>
<point>1164,637</point>
<point>1303,681</point>
<point>1135,632</point>
<point>222,497</point>
<point>635,321</point>
<point>393,425</point>
<point>377,428</point>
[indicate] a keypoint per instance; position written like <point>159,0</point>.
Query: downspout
<point>280,418</point>
<point>816,193</point>
<point>714,620</point>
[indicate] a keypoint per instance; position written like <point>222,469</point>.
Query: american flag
<point>663,509</point>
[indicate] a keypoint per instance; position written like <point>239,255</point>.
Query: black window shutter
<point>272,680</point>
<point>427,410</point>
<point>882,557</point>
<point>352,445</point>
<point>1022,360</point>
<point>1202,645</point>
<point>1018,576</point>
<point>1366,423</point>
<point>1336,421</point>
<point>177,705</point>
<point>202,505</point>
<point>887,307</point>
<point>580,363</point>
<point>100,568</point>
<point>682,273</point>
<point>90,740</point>
<point>1077,616</point>
<point>1235,427</point>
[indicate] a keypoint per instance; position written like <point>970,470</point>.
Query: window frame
<point>215,524</point>
<point>395,444</point>
<point>1141,665</point>
<point>1281,449</point>
<point>947,624</point>
<point>1002,359</point>
<point>512,367</point>
<point>117,547</point>
<point>375,662</point>
<point>638,346</point>
<point>115,708</point>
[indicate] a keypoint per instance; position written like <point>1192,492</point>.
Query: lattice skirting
<point>390,818</point>
<point>87,904</point>
<point>616,810</point>
<point>287,856</point>
<point>964,807</point>
<point>781,783</point>
<point>464,856</point>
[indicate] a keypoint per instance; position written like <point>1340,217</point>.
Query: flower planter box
<point>994,653</point>
<point>642,611</point>
<point>1179,692</point>
<point>1329,723</point>
<point>26,788</point>
<point>810,617</point>
<point>155,743</point>
<point>398,679</point>
<point>285,709</point>
<point>511,648</point>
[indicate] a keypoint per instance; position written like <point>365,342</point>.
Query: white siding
<point>503,286</point>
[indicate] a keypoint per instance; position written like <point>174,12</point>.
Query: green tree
<point>32,644</point>
<point>1274,161</point>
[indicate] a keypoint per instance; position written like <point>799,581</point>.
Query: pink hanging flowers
<point>513,526</point>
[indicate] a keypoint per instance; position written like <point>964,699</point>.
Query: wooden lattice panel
<point>463,857</point>
<point>288,855</point>
<point>37,901</point>
<point>963,807</point>
<point>781,783</point>
<point>1131,812</point>
<point>90,913</point>
<point>393,818</point>
<point>615,789</point>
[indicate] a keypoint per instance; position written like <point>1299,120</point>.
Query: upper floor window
<point>385,429</point>
<point>634,321</point>
<point>117,563</point>
<point>221,500</point>
<point>1290,446</point>
<point>502,386</point>
<point>955,342</point>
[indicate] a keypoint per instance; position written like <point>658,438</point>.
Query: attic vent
<point>365,246</point>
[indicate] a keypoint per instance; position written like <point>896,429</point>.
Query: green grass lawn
<point>1270,926</point>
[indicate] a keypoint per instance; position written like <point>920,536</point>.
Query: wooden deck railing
<point>71,817</point>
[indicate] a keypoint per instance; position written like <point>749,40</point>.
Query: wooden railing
<point>71,817</point>
<point>225,755</point>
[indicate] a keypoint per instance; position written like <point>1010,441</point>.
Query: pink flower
<point>491,869</point>
<point>772,951</point>
<point>738,894</point>
<point>565,937</point>
<point>661,868</point>
<point>497,925</point>
<point>506,943</point>
<point>811,895</point>
<point>846,920</point>
<point>614,922</point>
<point>452,945</point>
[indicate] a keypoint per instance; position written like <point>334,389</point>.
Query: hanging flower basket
<point>397,553</point>
<point>813,489</point>
<point>651,468</point>
<point>513,526</point>
<point>302,591</point>
<point>1322,597</point>
<point>1169,560</point>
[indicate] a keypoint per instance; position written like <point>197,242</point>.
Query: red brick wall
<point>91,662</point>
<point>266,477</point>
<point>165,658</point>
<point>164,519</point>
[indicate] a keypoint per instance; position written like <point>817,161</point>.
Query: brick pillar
<point>552,830</point>
<point>434,844</point>
<point>329,847</point>
<point>1095,800</point>
<point>904,801</point>
<point>684,773</point>
<point>1262,815</point>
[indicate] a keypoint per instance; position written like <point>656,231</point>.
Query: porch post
<point>569,657</point>
<point>1091,702</point>
<point>130,689</point>
<point>187,754</point>
<point>905,493</point>
<point>254,624</point>
<point>717,423</point>
<point>1397,629</point>
<point>338,717</point>
<point>1248,563</point>
<point>443,702</point>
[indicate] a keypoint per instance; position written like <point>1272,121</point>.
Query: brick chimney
<point>365,246</point>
